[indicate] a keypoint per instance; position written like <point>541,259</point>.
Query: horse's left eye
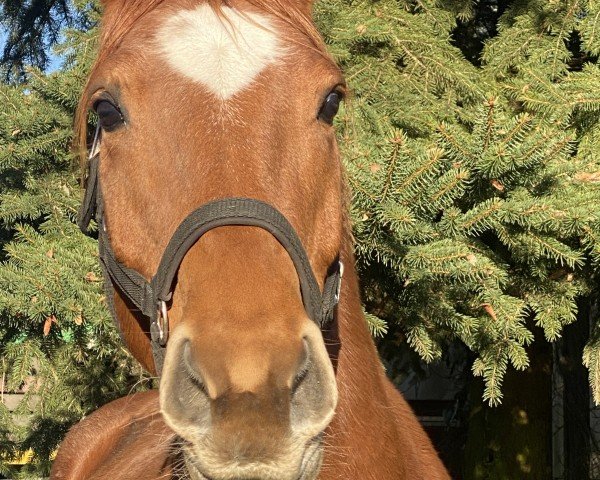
<point>109,115</point>
<point>330,107</point>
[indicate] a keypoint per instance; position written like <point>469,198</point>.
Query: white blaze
<point>225,54</point>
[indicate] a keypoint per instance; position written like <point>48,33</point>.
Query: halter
<point>151,297</point>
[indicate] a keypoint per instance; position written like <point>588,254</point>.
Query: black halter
<point>151,297</point>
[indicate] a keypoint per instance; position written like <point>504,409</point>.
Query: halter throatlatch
<point>151,297</point>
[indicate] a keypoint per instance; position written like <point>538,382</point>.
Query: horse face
<point>201,101</point>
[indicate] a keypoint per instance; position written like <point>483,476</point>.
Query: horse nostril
<point>183,399</point>
<point>194,374</point>
<point>304,367</point>
<point>314,392</point>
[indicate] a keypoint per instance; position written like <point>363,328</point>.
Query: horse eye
<point>330,107</point>
<point>109,115</point>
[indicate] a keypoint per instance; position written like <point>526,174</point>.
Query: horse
<point>200,102</point>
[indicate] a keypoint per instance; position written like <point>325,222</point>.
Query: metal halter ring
<point>339,284</point>
<point>161,325</point>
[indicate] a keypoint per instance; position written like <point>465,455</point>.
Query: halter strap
<point>150,297</point>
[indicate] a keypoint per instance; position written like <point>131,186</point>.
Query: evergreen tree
<point>57,340</point>
<point>475,188</point>
<point>32,27</point>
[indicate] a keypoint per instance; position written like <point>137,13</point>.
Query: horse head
<point>206,100</point>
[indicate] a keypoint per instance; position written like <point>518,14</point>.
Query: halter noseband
<point>151,298</point>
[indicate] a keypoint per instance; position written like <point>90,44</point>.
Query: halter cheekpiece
<point>151,297</point>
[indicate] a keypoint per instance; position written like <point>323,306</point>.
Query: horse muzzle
<point>272,431</point>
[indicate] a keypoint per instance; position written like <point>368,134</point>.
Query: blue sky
<point>55,61</point>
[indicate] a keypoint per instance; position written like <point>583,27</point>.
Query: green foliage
<point>475,187</point>
<point>32,27</point>
<point>57,341</point>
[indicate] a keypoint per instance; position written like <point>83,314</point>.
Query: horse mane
<point>116,27</point>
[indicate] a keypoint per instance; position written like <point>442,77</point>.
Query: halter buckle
<point>160,326</point>
<point>339,284</point>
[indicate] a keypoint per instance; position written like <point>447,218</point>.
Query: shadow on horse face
<point>216,103</point>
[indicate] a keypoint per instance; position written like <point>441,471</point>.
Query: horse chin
<point>308,470</point>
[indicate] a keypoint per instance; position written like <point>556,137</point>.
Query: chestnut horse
<point>201,100</point>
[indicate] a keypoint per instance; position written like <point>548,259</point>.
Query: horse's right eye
<point>109,115</point>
